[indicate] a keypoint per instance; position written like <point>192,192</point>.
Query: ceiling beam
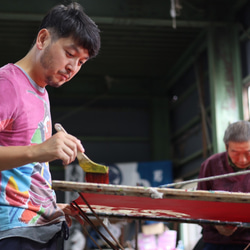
<point>20,16</point>
<point>154,22</point>
<point>117,21</point>
<point>239,4</point>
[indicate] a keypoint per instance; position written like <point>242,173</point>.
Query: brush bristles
<point>97,178</point>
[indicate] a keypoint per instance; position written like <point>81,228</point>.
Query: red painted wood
<point>169,208</point>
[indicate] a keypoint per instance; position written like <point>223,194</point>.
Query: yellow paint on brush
<point>85,163</point>
<point>89,166</point>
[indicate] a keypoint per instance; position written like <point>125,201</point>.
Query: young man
<point>29,215</point>
<point>236,158</point>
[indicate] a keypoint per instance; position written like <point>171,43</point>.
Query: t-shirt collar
<point>40,89</point>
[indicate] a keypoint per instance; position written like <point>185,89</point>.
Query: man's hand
<point>60,146</point>
<point>69,212</point>
<point>226,230</point>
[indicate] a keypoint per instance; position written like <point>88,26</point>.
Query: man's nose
<point>242,158</point>
<point>72,67</point>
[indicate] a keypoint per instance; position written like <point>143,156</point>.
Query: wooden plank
<point>175,204</point>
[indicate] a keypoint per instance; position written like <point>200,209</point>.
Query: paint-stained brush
<point>94,172</point>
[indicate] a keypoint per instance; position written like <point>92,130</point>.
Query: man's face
<point>61,60</point>
<point>239,152</point>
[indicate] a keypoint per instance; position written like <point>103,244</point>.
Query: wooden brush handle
<point>94,172</point>
<point>59,127</point>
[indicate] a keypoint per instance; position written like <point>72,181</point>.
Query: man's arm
<point>60,146</point>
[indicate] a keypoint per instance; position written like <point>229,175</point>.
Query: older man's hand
<point>226,230</point>
<point>69,212</point>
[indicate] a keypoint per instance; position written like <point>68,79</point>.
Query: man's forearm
<point>15,156</point>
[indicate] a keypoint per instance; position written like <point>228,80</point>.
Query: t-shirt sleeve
<point>8,104</point>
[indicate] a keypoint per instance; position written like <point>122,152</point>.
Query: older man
<point>235,158</point>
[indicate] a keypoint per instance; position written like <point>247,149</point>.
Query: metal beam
<point>225,86</point>
<point>160,132</point>
<point>118,21</point>
<point>20,16</point>
<point>187,59</point>
<point>239,4</point>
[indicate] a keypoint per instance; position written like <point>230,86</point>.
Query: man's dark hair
<point>71,21</point>
<point>237,132</point>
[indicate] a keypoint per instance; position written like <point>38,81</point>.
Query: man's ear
<point>43,38</point>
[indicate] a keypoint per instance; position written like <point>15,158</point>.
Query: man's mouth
<point>65,77</point>
<point>242,166</point>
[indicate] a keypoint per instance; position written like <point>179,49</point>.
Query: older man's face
<point>239,152</point>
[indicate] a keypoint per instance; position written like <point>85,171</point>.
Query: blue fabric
<point>209,246</point>
<point>157,173</point>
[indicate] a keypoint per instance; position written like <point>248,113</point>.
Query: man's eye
<point>235,153</point>
<point>69,54</point>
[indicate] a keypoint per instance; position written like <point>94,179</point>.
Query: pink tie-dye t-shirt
<point>26,196</point>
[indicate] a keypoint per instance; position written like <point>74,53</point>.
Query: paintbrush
<point>94,172</point>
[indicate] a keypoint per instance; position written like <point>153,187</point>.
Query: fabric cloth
<point>22,243</point>
<point>26,199</point>
<point>218,164</point>
<point>41,234</point>
<point>209,246</point>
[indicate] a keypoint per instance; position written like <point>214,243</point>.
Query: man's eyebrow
<point>76,48</point>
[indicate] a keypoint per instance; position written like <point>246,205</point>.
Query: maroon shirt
<point>218,164</point>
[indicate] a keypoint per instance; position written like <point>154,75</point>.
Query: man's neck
<point>235,168</point>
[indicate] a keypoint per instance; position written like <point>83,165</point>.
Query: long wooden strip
<point>168,193</point>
